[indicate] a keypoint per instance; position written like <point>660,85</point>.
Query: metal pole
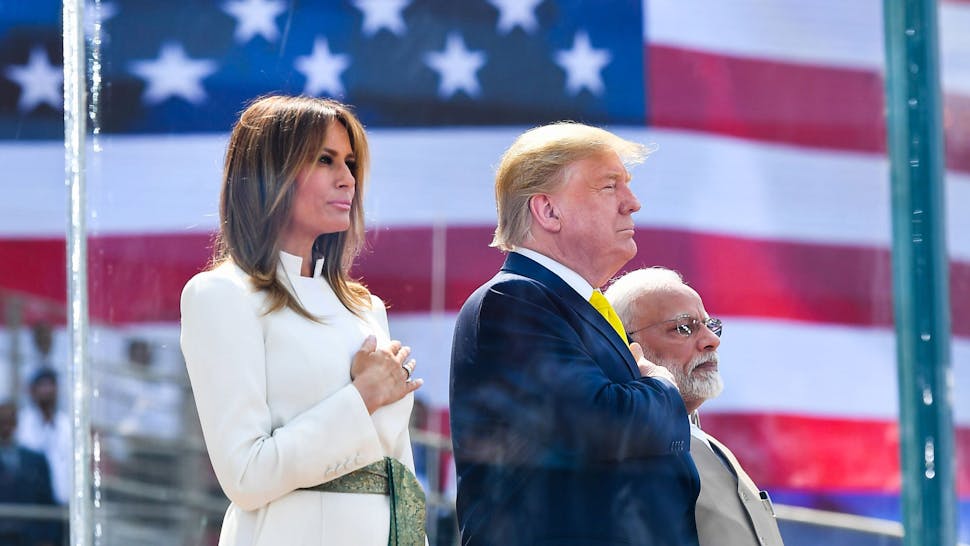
<point>920,272</point>
<point>14,319</point>
<point>74,131</point>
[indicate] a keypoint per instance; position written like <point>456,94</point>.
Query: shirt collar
<point>293,265</point>
<point>568,276</point>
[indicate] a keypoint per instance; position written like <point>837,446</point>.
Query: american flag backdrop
<point>769,189</point>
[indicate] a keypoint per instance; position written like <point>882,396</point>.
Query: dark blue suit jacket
<point>30,483</point>
<point>558,440</point>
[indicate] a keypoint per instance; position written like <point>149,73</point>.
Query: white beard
<point>694,385</point>
<point>700,385</point>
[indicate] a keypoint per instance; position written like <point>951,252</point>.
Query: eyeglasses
<point>686,326</point>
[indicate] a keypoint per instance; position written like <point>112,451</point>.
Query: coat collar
<point>521,265</point>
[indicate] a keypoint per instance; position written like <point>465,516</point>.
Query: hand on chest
<point>306,360</point>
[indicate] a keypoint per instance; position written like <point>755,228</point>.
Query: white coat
<point>279,412</point>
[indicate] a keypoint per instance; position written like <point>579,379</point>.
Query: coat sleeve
<point>392,421</point>
<point>222,341</point>
<point>529,387</point>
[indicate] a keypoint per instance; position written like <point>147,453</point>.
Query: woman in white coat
<point>304,399</point>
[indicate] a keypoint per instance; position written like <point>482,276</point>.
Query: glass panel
<point>35,376</point>
<point>153,481</point>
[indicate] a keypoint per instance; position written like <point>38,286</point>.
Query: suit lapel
<point>521,265</point>
<point>725,453</point>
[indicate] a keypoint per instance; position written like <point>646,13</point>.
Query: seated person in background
<point>667,318</point>
<point>46,428</point>
<point>24,479</point>
<point>153,400</point>
<point>38,354</point>
<point>138,413</point>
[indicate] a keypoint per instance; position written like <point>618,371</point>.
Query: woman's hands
<point>383,376</point>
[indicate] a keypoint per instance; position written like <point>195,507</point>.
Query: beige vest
<point>730,510</point>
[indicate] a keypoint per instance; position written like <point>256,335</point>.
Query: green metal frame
<point>920,272</point>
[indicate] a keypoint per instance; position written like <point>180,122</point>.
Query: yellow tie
<point>603,306</point>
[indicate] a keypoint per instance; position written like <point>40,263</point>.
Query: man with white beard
<point>667,318</point>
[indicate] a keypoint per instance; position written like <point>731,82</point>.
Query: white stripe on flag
<point>824,33</point>
<point>695,182</point>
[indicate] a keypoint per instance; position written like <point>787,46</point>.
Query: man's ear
<point>544,213</point>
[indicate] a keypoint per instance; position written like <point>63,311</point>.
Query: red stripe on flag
<point>137,278</point>
<point>781,279</point>
<point>398,266</point>
<point>788,103</point>
<point>956,120</point>
<point>799,452</point>
<point>765,100</point>
<point>34,266</point>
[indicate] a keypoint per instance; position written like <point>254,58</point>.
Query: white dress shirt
<point>570,277</point>
<point>52,438</point>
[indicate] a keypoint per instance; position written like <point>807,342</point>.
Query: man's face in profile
<point>595,205</point>
<point>669,326</point>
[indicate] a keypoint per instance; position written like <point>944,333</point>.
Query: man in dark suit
<point>24,479</point>
<point>563,434</point>
<point>668,319</point>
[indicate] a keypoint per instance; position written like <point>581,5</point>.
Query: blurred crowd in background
<point>150,459</point>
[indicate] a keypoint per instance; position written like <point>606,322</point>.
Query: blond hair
<point>274,138</point>
<point>535,164</point>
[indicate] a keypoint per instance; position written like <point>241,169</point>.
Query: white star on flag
<point>255,17</point>
<point>322,69</point>
<point>380,14</point>
<point>173,74</point>
<point>95,14</point>
<point>516,13</point>
<point>583,64</point>
<point>39,80</point>
<point>456,66</point>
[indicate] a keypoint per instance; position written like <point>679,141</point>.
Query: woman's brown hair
<point>273,139</point>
